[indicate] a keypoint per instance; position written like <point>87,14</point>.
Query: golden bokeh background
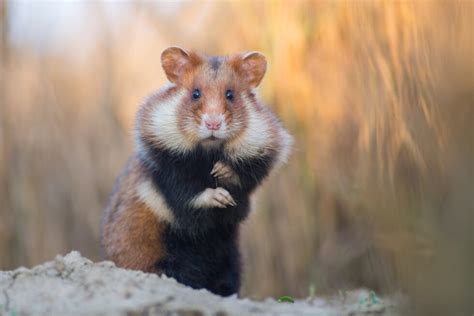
<point>379,95</point>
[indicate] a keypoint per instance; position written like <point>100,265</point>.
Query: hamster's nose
<point>213,124</point>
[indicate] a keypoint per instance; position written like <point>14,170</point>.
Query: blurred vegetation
<point>378,193</point>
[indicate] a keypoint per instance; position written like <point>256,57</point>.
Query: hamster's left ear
<point>252,67</point>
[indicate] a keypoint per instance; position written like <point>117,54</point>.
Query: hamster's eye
<point>196,94</point>
<point>229,95</point>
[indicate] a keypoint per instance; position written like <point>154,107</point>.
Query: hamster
<point>204,143</point>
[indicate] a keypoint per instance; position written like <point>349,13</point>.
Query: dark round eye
<point>229,95</point>
<point>196,94</point>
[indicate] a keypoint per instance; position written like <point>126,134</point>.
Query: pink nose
<point>213,125</point>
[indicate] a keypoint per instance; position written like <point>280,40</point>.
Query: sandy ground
<point>74,285</point>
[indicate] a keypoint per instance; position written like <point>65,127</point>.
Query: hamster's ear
<point>252,67</point>
<point>176,63</point>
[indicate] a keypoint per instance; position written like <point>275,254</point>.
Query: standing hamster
<point>204,143</point>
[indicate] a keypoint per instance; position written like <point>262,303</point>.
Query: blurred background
<point>379,191</point>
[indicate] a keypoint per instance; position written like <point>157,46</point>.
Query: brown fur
<point>130,227</point>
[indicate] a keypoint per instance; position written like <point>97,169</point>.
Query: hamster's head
<point>213,91</point>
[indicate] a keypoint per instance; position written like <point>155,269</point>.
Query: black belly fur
<point>202,244</point>
<point>210,261</point>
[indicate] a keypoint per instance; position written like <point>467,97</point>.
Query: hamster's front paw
<point>224,173</point>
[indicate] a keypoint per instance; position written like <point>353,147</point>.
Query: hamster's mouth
<point>213,136</point>
<point>211,141</point>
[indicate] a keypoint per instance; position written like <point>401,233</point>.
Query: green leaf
<point>286,299</point>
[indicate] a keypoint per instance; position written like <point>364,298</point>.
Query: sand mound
<point>74,285</point>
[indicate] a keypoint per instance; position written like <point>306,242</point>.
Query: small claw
<point>219,204</point>
<point>231,201</point>
<point>228,200</point>
<point>216,168</point>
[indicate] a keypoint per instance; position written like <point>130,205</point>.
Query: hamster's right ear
<point>251,66</point>
<point>176,63</point>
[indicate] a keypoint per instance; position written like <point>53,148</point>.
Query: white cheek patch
<point>256,137</point>
<point>163,124</point>
<point>149,195</point>
<point>262,134</point>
